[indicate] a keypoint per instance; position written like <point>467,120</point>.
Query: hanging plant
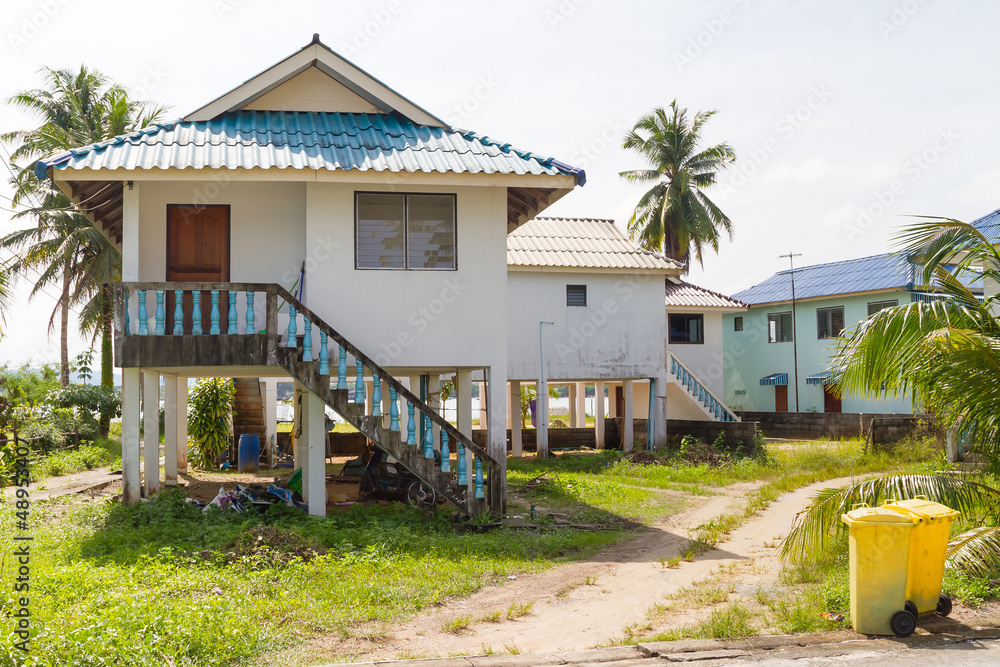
<point>211,404</point>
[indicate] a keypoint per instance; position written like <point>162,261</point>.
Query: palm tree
<point>77,109</point>
<point>675,216</point>
<point>945,352</point>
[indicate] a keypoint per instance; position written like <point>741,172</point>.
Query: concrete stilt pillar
<point>599,414</point>
<point>581,406</point>
<point>182,424</point>
<point>314,473</point>
<point>130,435</point>
<point>496,434</point>
<point>515,418</point>
<point>151,432</point>
<point>170,440</point>
<point>463,393</point>
<point>628,422</point>
<point>270,394</point>
<point>483,409</point>
<point>434,400</point>
<point>660,407</point>
<point>571,419</point>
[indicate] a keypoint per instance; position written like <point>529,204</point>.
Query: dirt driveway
<point>589,603</point>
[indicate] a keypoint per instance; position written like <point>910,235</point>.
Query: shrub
<point>210,408</point>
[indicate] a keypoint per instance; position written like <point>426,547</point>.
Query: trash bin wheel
<point>420,495</point>
<point>943,605</point>
<point>911,607</point>
<point>903,623</point>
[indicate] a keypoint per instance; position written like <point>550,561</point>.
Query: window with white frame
<point>405,231</point>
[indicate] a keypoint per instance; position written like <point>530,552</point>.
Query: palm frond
<point>817,525</point>
<point>976,551</point>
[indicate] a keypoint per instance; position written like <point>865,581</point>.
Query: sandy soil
<point>581,605</point>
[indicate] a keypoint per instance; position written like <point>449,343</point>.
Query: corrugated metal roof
<point>989,225</point>
<point>686,294</point>
<point>865,274</point>
<point>878,272</point>
<point>584,243</point>
<point>308,140</point>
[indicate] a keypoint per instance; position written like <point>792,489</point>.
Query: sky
<point>845,117</point>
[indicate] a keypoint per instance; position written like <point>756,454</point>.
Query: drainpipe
<point>542,398</point>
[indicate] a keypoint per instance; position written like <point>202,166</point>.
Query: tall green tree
<point>77,108</point>
<point>675,216</point>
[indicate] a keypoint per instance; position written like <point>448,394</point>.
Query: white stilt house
<point>589,305</point>
<point>313,223</point>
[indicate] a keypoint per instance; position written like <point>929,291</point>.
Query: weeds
<point>519,609</point>
<point>456,625</point>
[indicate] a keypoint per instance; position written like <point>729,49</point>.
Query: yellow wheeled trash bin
<point>928,549</point>
<point>879,556</point>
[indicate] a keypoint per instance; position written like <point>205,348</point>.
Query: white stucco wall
<point>620,333</point>
<point>704,359</point>
<point>403,319</point>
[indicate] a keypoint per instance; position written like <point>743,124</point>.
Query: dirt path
<point>580,605</point>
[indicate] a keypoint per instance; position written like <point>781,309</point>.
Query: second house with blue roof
<point>777,352</point>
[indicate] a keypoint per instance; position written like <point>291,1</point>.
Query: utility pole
<point>795,337</point>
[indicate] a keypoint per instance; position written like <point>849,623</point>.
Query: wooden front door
<point>619,402</point>
<point>831,403</point>
<point>198,251</point>
<point>780,398</point>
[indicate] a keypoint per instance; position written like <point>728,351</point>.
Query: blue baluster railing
<point>700,392</point>
<point>178,312</point>
<point>342,370</point>
<point>292,340</point>
<point>143,315</point>
<point>445,453</point>
<point>428,438</point>
<point>393,410</point>
<point>215,329</point>
<point>463,477</point>
<point>359,383</point>
<point>411,425</point>
<point>307,340</point>
<point>231,328</point>
<point>480,492</point>
<point>251,324</point>
<point>196,312</point>
<point>376,396</point>
<point>160,328</point>
<point>324,354</point>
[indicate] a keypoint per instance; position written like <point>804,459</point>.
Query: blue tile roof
<point>308,140</point>
<point>989,225</point>
<point>878,272</point>
<point>865,274</point>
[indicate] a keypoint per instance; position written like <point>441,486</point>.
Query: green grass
<point>86,457</point>
<point>128,585</point>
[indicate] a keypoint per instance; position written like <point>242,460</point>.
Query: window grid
<point>686,329</point>
<point>876,306</point>
<point>829,322</point>
<point>406,233</point>
<point>779,327</point>
<point>576,295</point>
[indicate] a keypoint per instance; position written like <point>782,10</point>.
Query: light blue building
<point>777,355</point>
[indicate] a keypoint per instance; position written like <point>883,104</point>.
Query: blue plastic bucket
<point>249,456</point>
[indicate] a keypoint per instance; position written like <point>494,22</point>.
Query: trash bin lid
<point>881,515</point>
<point>925,509</point>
